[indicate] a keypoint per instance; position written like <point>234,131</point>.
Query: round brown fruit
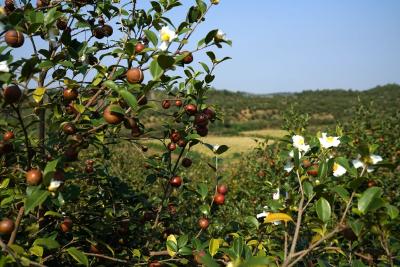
<point>222,189</point>
<point>313,171</point>
<point>201,119</point>
<point>204,223</point>
<point>99,33</point>
<point>61,24</point>
<point>175,137</point>
<point>42,3</point>
<point>166,104</point>
<point>112,117</point>
<point>8,136</point>
<point>171,146</point>
<point>181,143</point>
<point>371,183</point>
<point>202,130</point>
<point>33,177</point>
<point>66,225</point>
<point>306,163</point>
<point>14,38</point>
<point>209,113</point>
<point>155,264</point>
<point>69,128</point>
<point>188,57</point>
<point>70,94</point>
<point>191,109</point>
<point>178,103</point>
<point>108,30</point>
<point>134,75</point>
<point>6,226</point>
<point>186,162</point>
<point>12,94</point>
<point>139,47</point>
<point>175,181</point>
<point>219,199</point>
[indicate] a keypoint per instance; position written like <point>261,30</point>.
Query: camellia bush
<point>78,80</point>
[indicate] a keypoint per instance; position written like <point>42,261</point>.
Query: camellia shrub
<point>78,80</point>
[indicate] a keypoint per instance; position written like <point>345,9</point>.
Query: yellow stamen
<point>330,139</point>
<point>165,37</point>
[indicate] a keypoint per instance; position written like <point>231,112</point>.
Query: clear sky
<point>291,45</point>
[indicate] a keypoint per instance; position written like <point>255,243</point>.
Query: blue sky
<point>288,45</point>
<point>294,45</point>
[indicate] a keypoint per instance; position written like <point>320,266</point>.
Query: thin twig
<point>17,223</point>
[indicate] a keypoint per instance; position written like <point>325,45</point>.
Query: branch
<point>105,257</point>
<point>299,217</point>
<point>17,223</point>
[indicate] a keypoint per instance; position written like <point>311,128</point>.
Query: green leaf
<point>356,226</point>
<point>202,189</point>
<point>47,64</point>
<point>322,170</point>
<point>252,221</point>
<point>36,251</point>
<point>392,211</point>
<point>79,256</point>
<point>257,261</point>
<point>182,241</point>
<point>165,62</point>
<point>221,149</point>
<point>342,192</point>
<point>117,109</point>
<point>206,260</point>
<point>308,189</point>
<point>213,246</point>
<point>49,171</point>
<point>210,36</point>
<point>53,213</point>
<point>368,197</point>
<point>111,84</point>
<point>129,98</point>
<point>205,209</point>
<point>48,243</point>
<point>151,36</point>
<point>358,263</point>
<point>35,199</point>
<point>323,209</point>
<point>155,70</point>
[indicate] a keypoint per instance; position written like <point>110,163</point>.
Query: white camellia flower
<point>338,170</point>
<point>276,195</point>
<point>220,36</point>
<point>54,185</point>
<point>167,36</point>
<point>4,66</point>
<point>288,167</point>
<point>299,143</point>
<point>215,148</point>
<point>372,159</point>
<point>329,141</point>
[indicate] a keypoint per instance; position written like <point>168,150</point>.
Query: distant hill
<point>244,111</point>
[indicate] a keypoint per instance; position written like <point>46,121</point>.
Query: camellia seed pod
<point>14,38</point>
<point>112,117</point>
<point>134,75</point>
<point>188,57</point>
<point>139,47</point>
<point>12,94</point>
<point>6,226</point>
<point>108,30</point>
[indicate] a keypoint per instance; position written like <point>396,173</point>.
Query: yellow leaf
<point>253,242</point>
<point>275,217</point>
<point>38,94</point>
<point>214,246</point>
<point>315,238</point>
<point>171,238</point>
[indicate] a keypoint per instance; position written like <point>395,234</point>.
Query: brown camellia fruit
<point>66,225</point>
<point>33,177</point>
<point>108,30</point>
<point>198,255</point>
<point>71,154</point>
<point>178,103</point>
<point>8,136</point>
<point>219,199</point>
<point>191,109</point>
<point>171,146</point>
<point>42,3</point>
<point>209,113</point>
<point>175,136</point>
<point>6,226</point>
<point>139,47</point>
<point>306,163</point>
<point>155,264</point>
<point>202,130</point>
<point>186,162</point>
<point>12,94</point>
<point>70,94</point>
<point>371,183</point>
<point>188,57</point>
<point>222,189</point>
<point>134,75</point>
<point>204,223</point>
<point>112,117</point>
<point>14,38</point>
<point>175,181</point>
<point>201,119</point>
<point>61,24</point>
<point>69,128</point>
<point>98,33</point>
<point>166,104</point>
<point>313,171</point>
<point>181,143</point>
